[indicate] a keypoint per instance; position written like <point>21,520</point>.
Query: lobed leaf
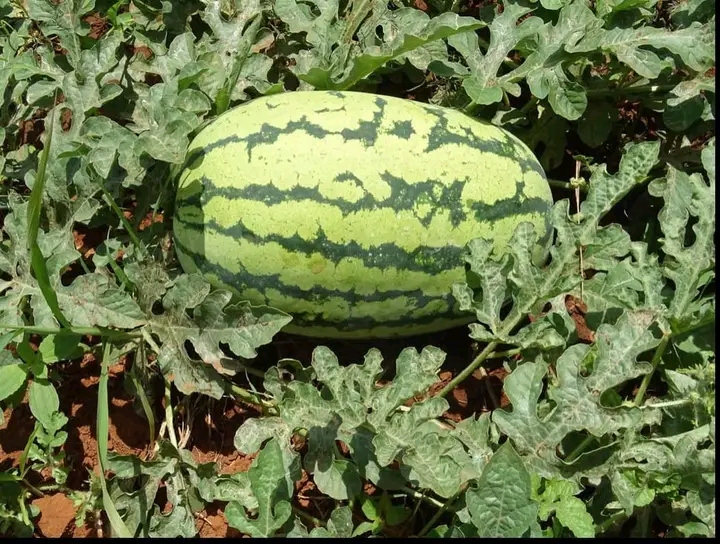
<point>267,479</point>
<point>214,322</point>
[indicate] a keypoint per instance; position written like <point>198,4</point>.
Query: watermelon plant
<point>338,268</point>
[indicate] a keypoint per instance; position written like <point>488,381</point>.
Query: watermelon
<point>351,211</point>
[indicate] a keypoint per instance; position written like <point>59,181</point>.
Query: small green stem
<point>620,91</point>
<point>657,357</point>
<point>480,359</point>
<point>85,267</point>
<point>247,396</point>
<point>579,449</point>
<point>612,520</point>
<point>251,370</point>
<point>307,517</point>
<point>24,513</point>
<point>126,224</point>
<point>32,488</point>
<point>430,524</point>
<point>530,104</point>
<point>22,462</point>
<point>421,497</point>
<point>667,404</point>
<point>504,354</point>
<point>644,522</point>
<point>141,393</point>
<point>169,416</point>
<point>564,185</point>
<point>456,5</point>
<point>119,272</point>
<point>38,263</point>
<point>102,423</point>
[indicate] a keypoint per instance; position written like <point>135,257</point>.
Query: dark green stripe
<point>355,324</point>
<point>441,135</point>
<point>424,259</point>
<point>367,132</point>
<point>403,197</point>
<point>318,294</point>
<point>428,260</point>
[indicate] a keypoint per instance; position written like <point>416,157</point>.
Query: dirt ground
<point>128,436</point>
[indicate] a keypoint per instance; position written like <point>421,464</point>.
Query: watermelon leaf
<point>578,404</point>
<point>91,300</point>
<point>543,68</point>
<point>501,505</point>
<point>350,407</point>
<point>339,525</point>
<point>558,497</point>
<point>515,275</point>
<point>688,266</point>
<point>344,66</point>
<point>214,321</point>
<point>372,58</point>
<point>693,45</point>
<point>63,20</point>
<point>267,479</point>
<point>482,85</point>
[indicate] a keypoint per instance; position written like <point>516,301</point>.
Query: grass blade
<point>37,260</point>
<point>103,427</point>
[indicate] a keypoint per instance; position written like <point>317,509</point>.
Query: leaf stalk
<point>430,524</point>
<point>479,360</point>
<point>657,357</point>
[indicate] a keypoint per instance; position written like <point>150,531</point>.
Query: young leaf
<point>267,478</point>
<point>572,513</point>
<point>179,523</point>
<point>58,347</point>
<point>558,497</point>
<point>44,402</point>
<point>340,524</point>
<point>370,508</point>
<point>12,377</point>
<point>500,504</point>
<point>334,476</point>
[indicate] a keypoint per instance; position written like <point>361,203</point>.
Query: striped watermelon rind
<point>351,211</point>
